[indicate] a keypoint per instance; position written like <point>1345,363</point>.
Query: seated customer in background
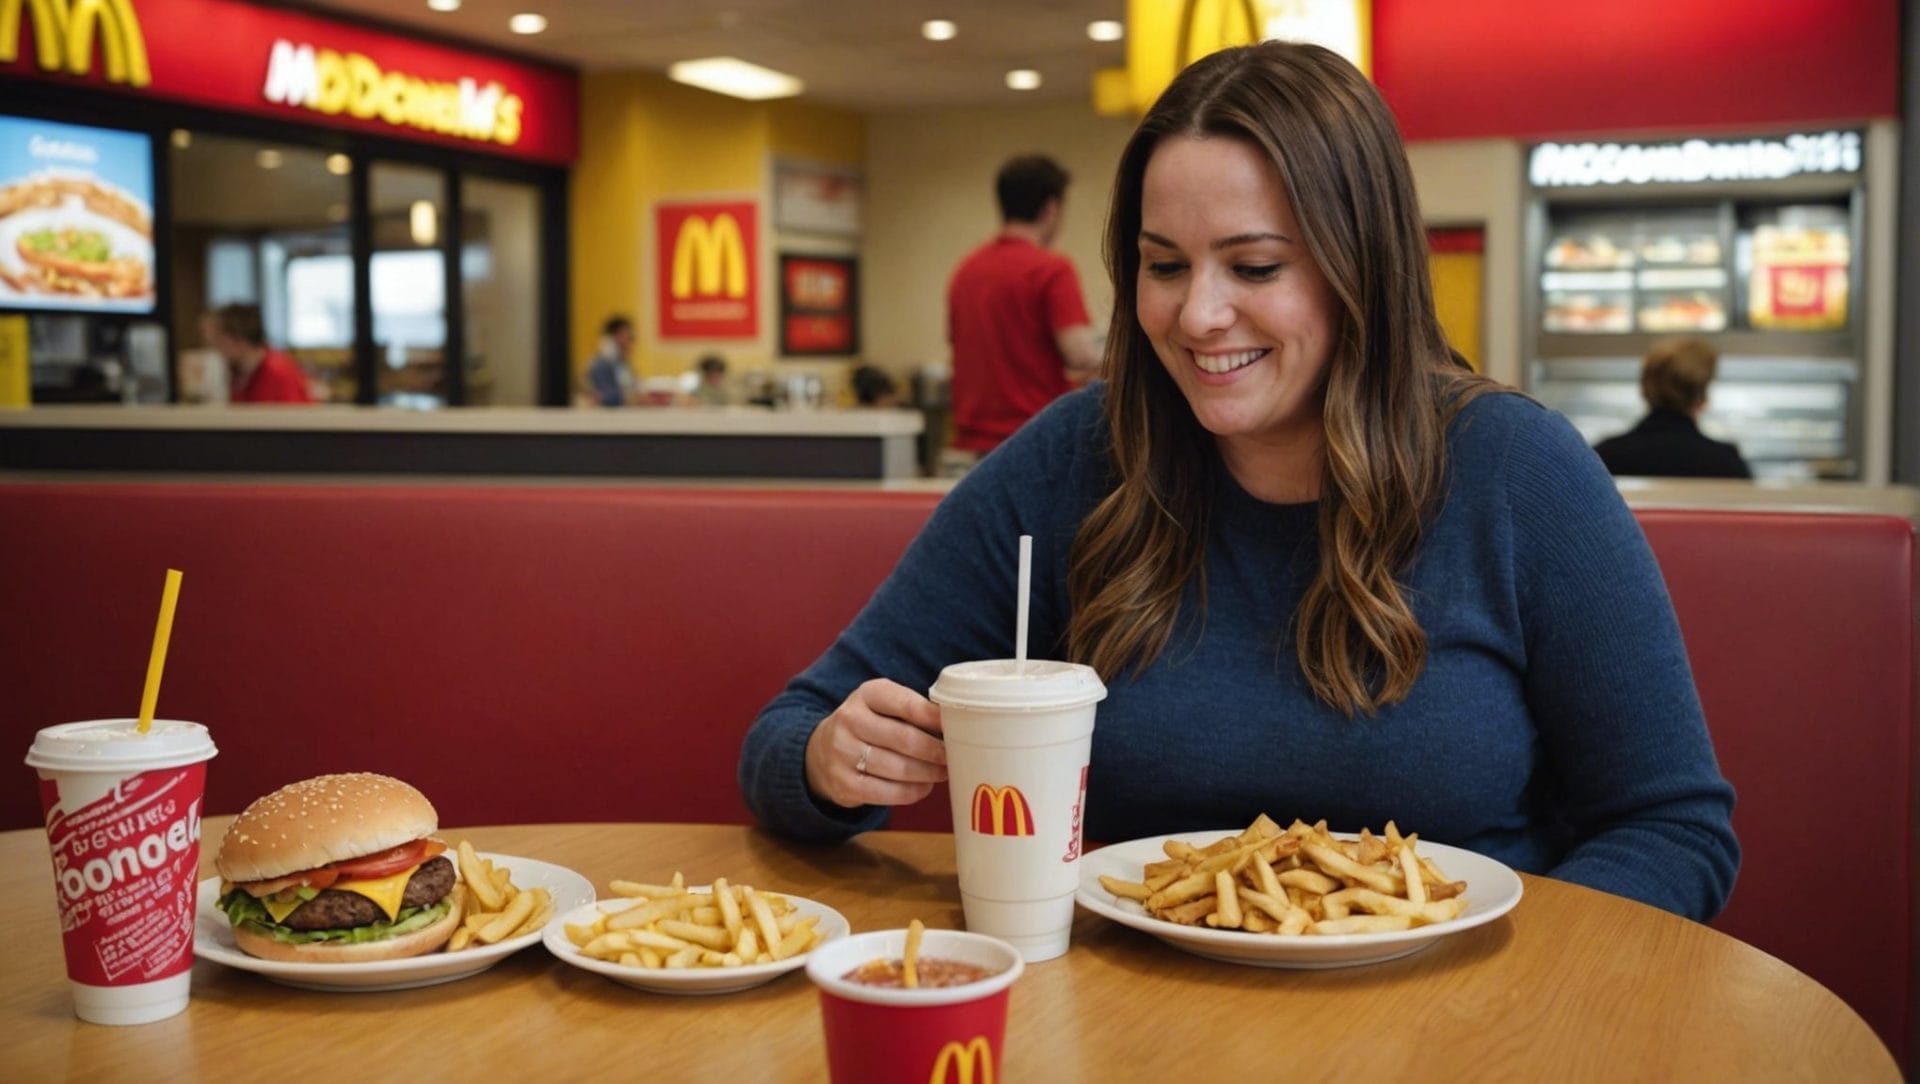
<point>609,377</point>
<point>256,373</point>
<point>872,387</point>
<point>1668,443</point>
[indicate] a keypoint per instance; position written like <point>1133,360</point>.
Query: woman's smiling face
<point>1233,303</point>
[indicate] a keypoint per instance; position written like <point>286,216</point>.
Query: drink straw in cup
<point>157,661</point>
<point>1026,575</point>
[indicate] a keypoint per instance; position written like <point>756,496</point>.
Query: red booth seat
<point>578,654</point>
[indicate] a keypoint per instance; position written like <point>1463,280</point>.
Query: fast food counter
<point>726,442</point>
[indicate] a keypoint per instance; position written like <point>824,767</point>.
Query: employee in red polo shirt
<point>1015,316</point>
<point>256,373</point>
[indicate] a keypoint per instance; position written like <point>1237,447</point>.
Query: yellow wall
<point>1456,296</point>
<point>645,138</point>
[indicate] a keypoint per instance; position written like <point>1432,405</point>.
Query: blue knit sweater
<point>1555,727</point>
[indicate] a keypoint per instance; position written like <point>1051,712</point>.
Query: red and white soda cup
<point>123,824</point>
<point>942,1035</point>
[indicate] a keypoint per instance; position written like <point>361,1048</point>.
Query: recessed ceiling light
<point>938,30</point>
<point>1106,30</point>
<point>735,77</point>
<point>267,159</point>
<point>527,22</point>
<point>444,5</point>
<point>182,139</point>
<point>1023,79</point>
<point>339,165</point>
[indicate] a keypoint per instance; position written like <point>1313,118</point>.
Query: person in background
<point>256,373</point>
<point>1668,443</point>
<point>872,387</point>
<point>1324,569</point>
<point>712,388</point>
<point>1015,316</point>
<point>609,374</point>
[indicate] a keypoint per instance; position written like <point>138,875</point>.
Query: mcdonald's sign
<point>1164,36</point>
<point>709,282</point>
<point>1001,811</point>
<point>64,32</point>
<point>970,1062</point>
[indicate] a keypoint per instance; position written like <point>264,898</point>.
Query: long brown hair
<point>1391,386</point>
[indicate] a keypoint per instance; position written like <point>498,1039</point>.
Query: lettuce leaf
<point>243,910</point>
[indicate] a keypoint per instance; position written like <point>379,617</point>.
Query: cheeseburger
<point>338,869</point>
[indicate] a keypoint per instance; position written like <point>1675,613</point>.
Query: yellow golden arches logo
<point>964,1063</point>
<point>64,33</point>
<point>709,258</point>
<point>1208,26</point>
<point>1001,811</point>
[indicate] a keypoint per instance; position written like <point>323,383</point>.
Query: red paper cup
<point>123,825</point>
<point>947,1035</point>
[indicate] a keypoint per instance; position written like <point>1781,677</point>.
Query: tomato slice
<point>388,862</point>
<point>380,864</point>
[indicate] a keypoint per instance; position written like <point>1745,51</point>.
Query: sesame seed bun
<point>330,818</point>
<point>418,943</point>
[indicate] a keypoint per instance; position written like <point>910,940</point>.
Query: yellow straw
<point>162,632</point>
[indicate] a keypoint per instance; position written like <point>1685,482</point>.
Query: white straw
<point>1026,576</point>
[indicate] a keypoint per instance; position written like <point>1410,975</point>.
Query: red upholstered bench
<point>561,654</point>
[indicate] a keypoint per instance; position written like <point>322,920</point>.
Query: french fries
<point>1300,880</point>
<point>673,926</point>
<point>498,910</point>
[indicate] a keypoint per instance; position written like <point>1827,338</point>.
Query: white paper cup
<point>1019,736</point>
<point>123,825</point>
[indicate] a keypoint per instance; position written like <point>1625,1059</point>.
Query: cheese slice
<point>281,904</point>
<point>385,892</point>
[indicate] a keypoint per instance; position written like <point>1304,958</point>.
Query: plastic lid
<point>1011,685</point>
<point>103,745</point>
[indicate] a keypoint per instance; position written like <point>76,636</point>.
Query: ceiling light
<point>182,139</point>
<point>1106,30</point>
<point>339,165</point>
<point>527,22</point>
<point>938,30</point>
<point>267,159</point>
<point>336,212</point>
<point>735,77</point>
<point>1023,79</point>
<point>423,223</point>
<point>444,5</point>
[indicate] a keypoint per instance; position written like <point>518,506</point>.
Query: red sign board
<point>707,256</point>
<point>818,311</point>
<point>298,67</point>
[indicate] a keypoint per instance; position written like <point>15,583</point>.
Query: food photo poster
<point>76,217</point>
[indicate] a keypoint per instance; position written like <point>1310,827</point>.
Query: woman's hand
<point>880,747</point>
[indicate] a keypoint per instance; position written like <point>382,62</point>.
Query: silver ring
<point>861,764</point>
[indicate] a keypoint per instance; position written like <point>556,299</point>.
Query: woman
<point>1324,570</point>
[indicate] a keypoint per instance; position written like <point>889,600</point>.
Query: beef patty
<point>333,909</point>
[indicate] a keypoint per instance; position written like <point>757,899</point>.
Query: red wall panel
<point>1475,68</point>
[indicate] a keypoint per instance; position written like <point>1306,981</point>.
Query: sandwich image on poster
<point>76,217</point>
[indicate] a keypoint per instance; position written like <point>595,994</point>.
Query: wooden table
<point>1572,985</point>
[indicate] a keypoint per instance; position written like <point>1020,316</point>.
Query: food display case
<point>1752,244</point>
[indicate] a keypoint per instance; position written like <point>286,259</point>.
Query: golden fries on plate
<point>672,926</point>
<point>1300,880</point>
<point>497,909</point>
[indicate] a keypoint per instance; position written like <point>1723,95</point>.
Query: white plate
<point>213,940</point>
<point>687,980</point>
<point>1492,891</point>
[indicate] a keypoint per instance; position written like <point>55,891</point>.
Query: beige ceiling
<point>866,55</point>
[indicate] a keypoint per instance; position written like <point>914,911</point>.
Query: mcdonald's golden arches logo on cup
<point>1001,811</point>
<point>64,32</point>
<point>970,1062</point>
<point>707,266</point>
